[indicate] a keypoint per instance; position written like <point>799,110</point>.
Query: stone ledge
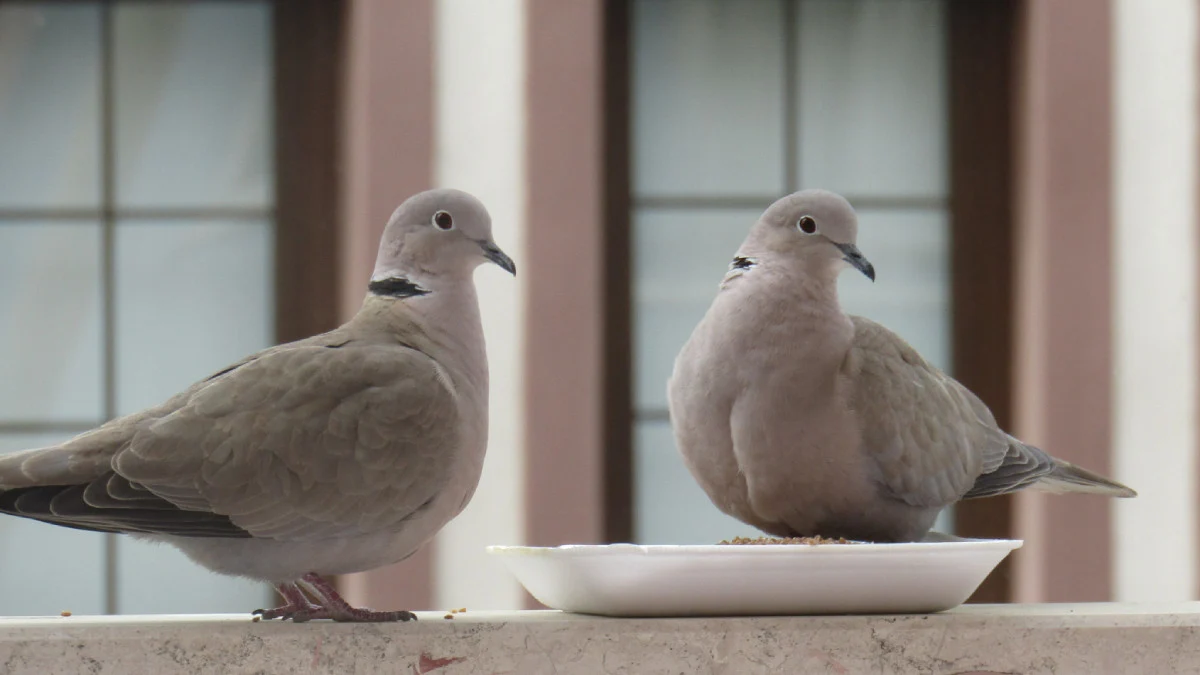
<point>1090,639</point>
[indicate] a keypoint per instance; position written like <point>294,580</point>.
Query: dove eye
<point>806,225</point>
<point>442,220</point>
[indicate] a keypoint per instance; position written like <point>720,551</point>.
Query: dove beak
<point>857,260</point>
<point>493,253</point>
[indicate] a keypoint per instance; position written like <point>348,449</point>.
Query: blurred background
<point>182,183</point>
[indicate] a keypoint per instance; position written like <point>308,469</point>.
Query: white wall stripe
<point>480,113</point>
<point>1155,298</point>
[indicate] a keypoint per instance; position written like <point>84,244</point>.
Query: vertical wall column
<point>565,344</point>
<point>1063,339</point>
<point>387,155</point>
<point>434,95</point>
<point>480,148</point>
<point>1155,248</point>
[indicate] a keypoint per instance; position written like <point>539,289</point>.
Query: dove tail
<point>1067,477</point>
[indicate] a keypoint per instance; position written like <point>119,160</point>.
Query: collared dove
<point>335,454</point>
<point>801,420</point>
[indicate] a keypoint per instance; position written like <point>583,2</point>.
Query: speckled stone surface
<point>1094,639</point>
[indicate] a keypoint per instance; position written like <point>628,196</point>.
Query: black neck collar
<point>396,287</point>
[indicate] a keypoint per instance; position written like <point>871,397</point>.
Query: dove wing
<point>927,437</point>
<point>302,441</point>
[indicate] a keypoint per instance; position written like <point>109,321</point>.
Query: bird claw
<point>289,612</point>
<point>300,610</point>
<point>369,616</point>
<point>333,606</point>
<point>306,616</point>
<point>353,615</point>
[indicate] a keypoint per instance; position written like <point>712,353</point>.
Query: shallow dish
<point>720,580</point>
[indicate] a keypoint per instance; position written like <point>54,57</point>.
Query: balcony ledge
<point>980,639</point>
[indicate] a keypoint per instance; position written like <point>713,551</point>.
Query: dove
<point>334,454</point>
<point>801,420</point>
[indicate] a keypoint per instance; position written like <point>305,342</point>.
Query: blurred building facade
<point>1024,173</point>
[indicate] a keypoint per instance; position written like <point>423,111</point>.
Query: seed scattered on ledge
<point>65,612</point>
<point>448,616</point>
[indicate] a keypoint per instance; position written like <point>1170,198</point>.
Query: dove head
<point>816,228</point>
<point>434,235</point>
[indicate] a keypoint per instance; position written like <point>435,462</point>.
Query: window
<point>136,246</point>
<point>734,107</point>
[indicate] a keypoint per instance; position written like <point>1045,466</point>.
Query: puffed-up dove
<point>801,420</point>
<point>335,454</point>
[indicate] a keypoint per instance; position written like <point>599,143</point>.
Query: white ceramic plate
<point>722,580</point>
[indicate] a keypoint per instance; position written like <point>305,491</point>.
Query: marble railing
<point>1091,639</point>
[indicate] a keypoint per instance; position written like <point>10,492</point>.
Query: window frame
<point>306,53</point>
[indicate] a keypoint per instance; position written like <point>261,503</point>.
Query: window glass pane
<point>911,294</point>
<point>158,579</point>
<point>872,97</point>
<point>871,123</point>
<point>707,97</point>
<point>192,298</point>
<point>49,105</point>
<point>945,521</point>
<point>50,322</point>
<point>670,506</point>
<point>193,92</point>
<point>680,256</point>
<point>46,569</point>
